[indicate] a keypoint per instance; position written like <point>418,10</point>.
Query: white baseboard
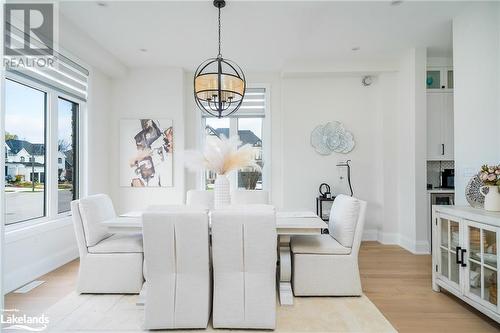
<point>30,272</point>
<point>422,247</point>
<point>415,247</point>
<point>370,235</point>
<point>406,244</point>
<point>388,238</point>
<point>419,247</point>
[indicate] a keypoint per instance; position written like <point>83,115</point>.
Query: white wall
<point>193,129</point>
<point>98,121</point>
<point>387,105</point>
<point>32,252</point>
<point>412,152</point>
<point>476,57</point>
<point>147,93</point>
<point>308,102</point>
<point>439,62</point>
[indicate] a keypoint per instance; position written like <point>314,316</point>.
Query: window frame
<point>77,157</point>
<point>51,151</point>
<point>233,130</point>
<point>19,80</point>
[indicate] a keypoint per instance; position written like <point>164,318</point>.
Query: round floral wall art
<point>332,137</point>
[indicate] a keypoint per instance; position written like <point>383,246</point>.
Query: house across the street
<point>27,160</point>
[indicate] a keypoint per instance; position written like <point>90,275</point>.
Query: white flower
<point>222,156</point>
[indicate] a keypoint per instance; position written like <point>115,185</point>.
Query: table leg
<point>285,288</point>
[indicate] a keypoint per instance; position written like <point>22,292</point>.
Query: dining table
<point>288,224</point>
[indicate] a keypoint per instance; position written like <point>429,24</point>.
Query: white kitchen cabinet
<point>440,126</point>
<point>465,257</point>
<point>439,78</point>
<point>448,125</point>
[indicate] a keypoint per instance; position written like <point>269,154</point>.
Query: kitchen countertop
<point>441,190</point>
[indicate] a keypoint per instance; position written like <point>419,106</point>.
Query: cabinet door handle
<point>457,255</point>
<point>442,149</point>
<point>463,264</point>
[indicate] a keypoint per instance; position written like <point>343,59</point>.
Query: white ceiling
<point>264,35</point>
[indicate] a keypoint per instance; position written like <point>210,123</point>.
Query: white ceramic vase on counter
<point>222,195</point>
<point>491,198</point>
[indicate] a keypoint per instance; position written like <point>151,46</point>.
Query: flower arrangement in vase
<point>221,156</point>
<point>490,176</point>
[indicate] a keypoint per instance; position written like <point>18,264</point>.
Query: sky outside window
<point>25,112</point>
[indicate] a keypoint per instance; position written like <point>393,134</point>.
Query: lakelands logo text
<point>29,35</point>
<point>11,319</point>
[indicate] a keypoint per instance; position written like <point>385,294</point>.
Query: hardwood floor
<point>399,284</point>
<point>396,281</point>
<point>58,284</point>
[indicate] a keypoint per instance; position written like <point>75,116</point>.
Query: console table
<point>465,257</point>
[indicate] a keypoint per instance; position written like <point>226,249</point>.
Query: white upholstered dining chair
<point>249,197</point>
<point>109,264</point>
<point>244,268</point>
<point>327,265</point>
<point>202,198</point>
<point>176,253</point>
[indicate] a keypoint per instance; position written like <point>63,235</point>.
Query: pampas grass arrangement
<point>222,156</point>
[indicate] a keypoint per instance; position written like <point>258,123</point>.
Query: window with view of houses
<point>26,141</point>
<point>248,124</point>
<point>24,138</point>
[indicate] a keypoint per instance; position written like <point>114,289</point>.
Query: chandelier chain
<point>219,36</point>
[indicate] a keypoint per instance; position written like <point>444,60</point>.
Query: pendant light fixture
<point>219,84</point>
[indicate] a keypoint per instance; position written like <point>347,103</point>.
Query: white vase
<point>492,198</point>
<point>222,195</point>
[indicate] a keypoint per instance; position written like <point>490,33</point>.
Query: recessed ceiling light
<point>396,2</point>
<point>102,4</point>
<point>356,48</point>
<point>143,50</point>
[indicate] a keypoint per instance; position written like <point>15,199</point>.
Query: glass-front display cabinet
<point>465,255</point>
<point>449,250</point>
<point>482,265</point>
<point>439,78</point>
